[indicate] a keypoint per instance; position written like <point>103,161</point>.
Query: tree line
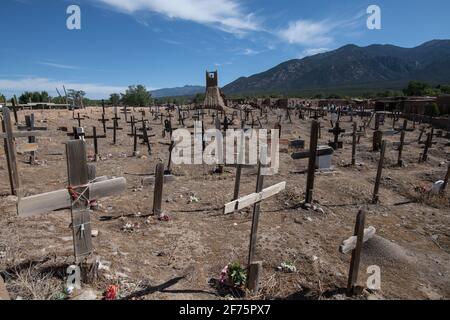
<point>139,96</point>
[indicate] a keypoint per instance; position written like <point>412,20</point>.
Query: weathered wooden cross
<point>10,148</point>
<point>78,196</point>
<point>255,200</point>
<point>32,146</point>
<point>354,245</point>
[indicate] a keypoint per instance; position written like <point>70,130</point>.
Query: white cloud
<point>314,51</point>
<point>319,33</point>
<point>92,90</point>
<point>306,32</point>
<point>250,52</point>
<point>227,15</point>
<point>59,66</point>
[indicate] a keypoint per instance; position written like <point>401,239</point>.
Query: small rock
<point>94,233</point>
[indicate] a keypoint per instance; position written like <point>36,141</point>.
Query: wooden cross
<point>355,244</point>
<point>78,196</point>
<point>125,110</point>
<point>337,130</point>
<point>95,137</point>
<point>79,119</point>
<point>133,123</point>
<point>10,148</point>
<point>29,120</point>
<point>103,121</point>
<point>255,200</point>
<point>115,127</point>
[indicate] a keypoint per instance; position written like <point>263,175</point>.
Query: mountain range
<point>348,70</point>
<point>352,69</point>
<point>178,92</point>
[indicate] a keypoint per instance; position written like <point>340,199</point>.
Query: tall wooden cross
<point>115,127</point>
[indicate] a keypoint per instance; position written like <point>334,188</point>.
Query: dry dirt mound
<point>382,252</point>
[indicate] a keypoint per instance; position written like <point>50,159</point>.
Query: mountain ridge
<point>352,68</point>
<point>187,90</point>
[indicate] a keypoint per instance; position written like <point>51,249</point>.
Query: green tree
<point>445,89</point>
<point>77,96</point>
<point>34,97</point>
<point>114,99</point>
<point>137,96</point>
<point>199,98</point>
<point>2,98</point>
<point>334,96</point>
<point>418,88</point>
<point>435,111</point>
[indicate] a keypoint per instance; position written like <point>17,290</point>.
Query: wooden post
<point>375,198</point>
<point>422,130</point>
<point>427,147</point>
<point>254,275</point>
<point>355,128</point>
<point>377,139</point>
<point>237,181</point>
<point>356,254</point>
<point>10,151</point>
<point>402,142</point>
<point>255,219</point>
<point>30,124</point>
<point>78,174</point>
<point>94,133</point>
<point>135,142</point>
<point>15,106</point>
<point>312,162</point>
<point>158,191</point>
<point>444,186</point>
<point>114,131</point>
<point>146,137</point>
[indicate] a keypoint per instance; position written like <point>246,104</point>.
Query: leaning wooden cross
<point>354,245</point>
<point>255,200</point>
<point>78,196</point>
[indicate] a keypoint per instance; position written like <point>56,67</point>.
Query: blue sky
<point>168,43</point>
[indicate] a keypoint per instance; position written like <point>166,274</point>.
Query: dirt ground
<point>152,259</point>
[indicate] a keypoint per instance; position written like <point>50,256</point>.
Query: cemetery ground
<point>177,259</point>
